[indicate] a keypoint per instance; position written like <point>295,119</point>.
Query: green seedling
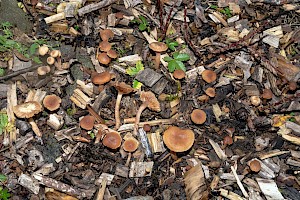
<point>176,62</point>
<point>2,72</point>
<point>8,44</point>
<point>136,84</point>
<point>143,23</point>
<point>132,71</point>
<point>4,194</point>
<point>92,134</point>
<point>226,11</point>
<point>71,111</point>
<point>3,122</point>
<point>171,44</point>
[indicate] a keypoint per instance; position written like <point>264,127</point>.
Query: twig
<point>239,182</point>
<point>95,114</point>
<point>16,73</point>
<point>148,15</point>
<point>168,19</point>
<point>94,6</point>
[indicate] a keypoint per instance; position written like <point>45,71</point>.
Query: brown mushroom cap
<point>227,140</point>
<point>101,78</point>
<point>147,127</point>
<point>198,116</point>
<point>211,92</point>
<point>209,76</point>
<point>158,46</point>
<point>104,46</point>
<point>150,99</point>
<point>255,166</point>
<point>43,50</point>
<point>123,88</point>
<point>87,122</point>
<point>267,94</point>
<point>55,53</point>
<point>103,58</point>
<point>179,74</point>
<point>43,70</point>
<point>178,140</point>
<point>50,60</point>
<point>106,34</point>
<point>292,85</point>
<point>112,140</point>
<point>131,144</point>
<point>112,54</point>
<point>27,109</point>
<point>52,102</point>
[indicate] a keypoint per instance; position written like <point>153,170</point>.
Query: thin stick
<point>16,73</point>
<point>239,182</point>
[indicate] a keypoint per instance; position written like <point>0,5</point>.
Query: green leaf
<point>4,194</point>
<point>181,56</point>
<point>36,60</point>
<point>172,45</point>
<point>136,84</point>
<point>3,178</point>
<point>213,6</point>
<point>168,59</point>
<point>33,48</point>
<point>180,65</point>
<point>2,72</point>
<point>142,27</point>
<point>3,121</point>
<point>132,71</point>
<point>172,65</point>
<point>144,20</point>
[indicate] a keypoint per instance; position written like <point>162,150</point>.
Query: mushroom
<point>158,47</point>
<point>178,140</point>
<point>255,166</point>
<point>87,122</point>
<point>147,127</point>
<point>52,102</point>
<point>112,140</point>
<point>209,76</point>
<point>50,60</point>
<point>104,46</point>
<point>179,74</point>
<point>55,53</point>
<point>149,100</point>
<point>267,94</point>
<point>27,109</point>
<point>227,140</point>
<point>43,50</point>
<point>43,70</point>
<point>122,88</point>
<point>106,34</point>
<point>211,92</point>
<point>131,144</point>
<point>101,78</point>
<point>112,54</point>
<point>292,85</point>
<point>103,58</point>
<point>255,100</point>
<point>198,116</point>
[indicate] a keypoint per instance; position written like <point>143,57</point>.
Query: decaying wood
<point>80,99</point>
<point>11,102</point>
<point>94,6</point>
<point>195,185</point>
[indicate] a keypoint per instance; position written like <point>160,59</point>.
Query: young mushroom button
<point>198,116</point>
<point>106,34</point>
<point>131,144</point>
<point>158,47</point>
<point>209,76</point>
<point>87,122</point>
<point>122,88</point>
<point>178,140</point>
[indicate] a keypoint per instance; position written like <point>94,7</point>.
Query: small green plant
<point>171,44</point>
<point>226,11</point>
<point>132,71</point>
<point>2,72</point>
<point>3,122</point>
<point>136,84</point>
<point>8,44</point>
<point>92,134</point>
<point>143,23</point>
<point>71,111</point>
<point>176,62</point>
<point>4,194</point>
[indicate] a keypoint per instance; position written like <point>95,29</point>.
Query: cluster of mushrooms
<point>107,53</point>
<point>52,59</point>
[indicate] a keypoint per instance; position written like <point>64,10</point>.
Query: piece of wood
<point>94,6</point>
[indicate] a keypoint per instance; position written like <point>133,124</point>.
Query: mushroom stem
<point>157,60</point>
<point>138,116</point>
<point>117,111</point>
